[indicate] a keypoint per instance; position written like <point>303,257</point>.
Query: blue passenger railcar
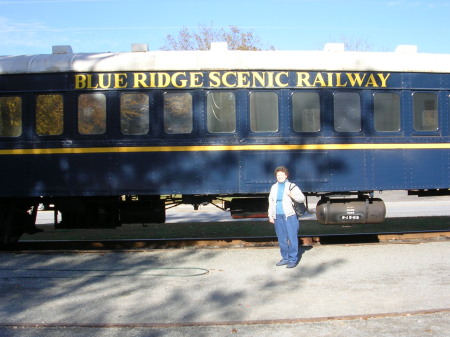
<point>113,138</point>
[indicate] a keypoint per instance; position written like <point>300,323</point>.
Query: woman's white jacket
<point>287,202</point>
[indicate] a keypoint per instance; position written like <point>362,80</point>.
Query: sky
<point>34,26</point>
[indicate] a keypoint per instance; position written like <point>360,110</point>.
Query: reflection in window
<point>425,111</point>
<point>263,111</point>
<point>91,114</point>
<point>49,115</point>
<point>10,116</point>
<point>306,111</point>
<point>221,111</point>
<point>134,114</point>
<point>347,112</point>
<point>386,111</point>
<point>178,113</point>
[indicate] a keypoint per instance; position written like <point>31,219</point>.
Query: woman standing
<point>282,214</point>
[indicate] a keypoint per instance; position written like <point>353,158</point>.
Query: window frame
<point>233,120</point>
<point>62,115</point>
<point>358,94</point>
<point>149,114</point>
<point>400,112</point>
<point>104,119</point>
<point>19,117</point>
<point>277,113</point>
<point>319,116</point>
<point>191,114</point>
<point>415,131</point>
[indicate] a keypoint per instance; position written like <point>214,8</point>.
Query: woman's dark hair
<point>282,169</point>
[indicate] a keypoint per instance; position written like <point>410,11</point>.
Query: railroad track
<point>235,324</point>
<point>220,242</point>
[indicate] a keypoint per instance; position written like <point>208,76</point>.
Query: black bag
<point>299,207</point>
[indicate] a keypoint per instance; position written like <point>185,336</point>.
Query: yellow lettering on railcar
<point>258,77</point>
<point>90,80</point>
<point>303,79</point>
<point>371,82</point>
<point>383,79</point>
<point>279,82</point>
<point>163,80</point>
<point>178,80</point>
<point>120,81</point>
<point>152,80</point>
<point>140,80</point>
<point>80,81</point>
<point>319,81</point>
<point>341,79</point>
<point>231,79</point>
<point>225,80</point>
<point>243,79</point>
<point>101,81</point>
<point>214,79</point>
<point>339,82</point>
<point>269,83</point>
<point>355,79</point>
<point>196,80</point>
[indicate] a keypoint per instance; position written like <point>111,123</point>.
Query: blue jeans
<point>287,233</point>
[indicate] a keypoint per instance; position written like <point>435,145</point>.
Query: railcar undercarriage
<point>18,215</point>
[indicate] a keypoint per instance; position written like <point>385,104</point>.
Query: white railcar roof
<point>331,60</point>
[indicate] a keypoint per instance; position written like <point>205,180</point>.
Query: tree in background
<point>357,44</point>
<point>202,37</point>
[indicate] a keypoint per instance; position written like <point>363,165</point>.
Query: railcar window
<point>92,114</point>
<point>306,111</point>
<point>221,111</point>
<point>177,113</point>
<point>134,114</point>
<point>10,116</point>
<point>263,111</point>
<point>386,111</point>
<point>425,111</point>
<point>347,112</point>
<point>49,115</point>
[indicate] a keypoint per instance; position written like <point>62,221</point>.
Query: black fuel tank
<point>350,211</point>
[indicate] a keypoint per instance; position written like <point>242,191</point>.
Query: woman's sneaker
<point>291,264</point>
<point>282,263</point>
